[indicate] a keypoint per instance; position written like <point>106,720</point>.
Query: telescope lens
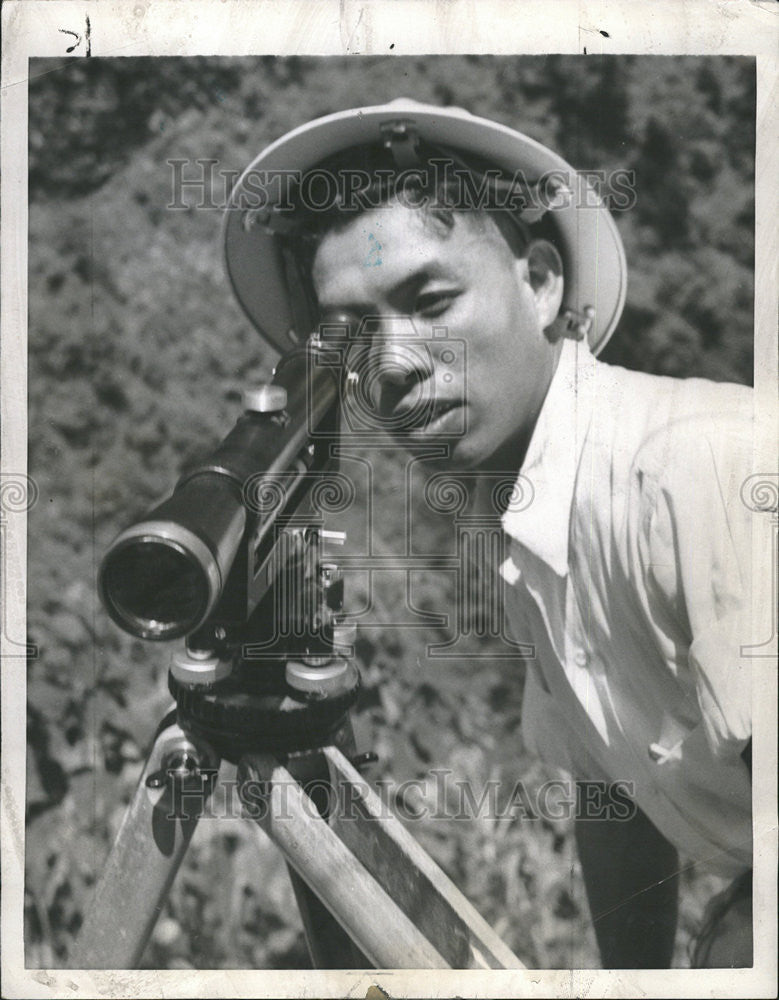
<point>155,589</point>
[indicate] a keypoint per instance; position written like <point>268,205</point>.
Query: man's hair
<point>433,184</point>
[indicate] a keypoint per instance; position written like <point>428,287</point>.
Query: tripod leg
<point>329,946</point>
<point>148,850</point>
<point>378,927</point>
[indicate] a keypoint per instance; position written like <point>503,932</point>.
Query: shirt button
<point>580,657</point>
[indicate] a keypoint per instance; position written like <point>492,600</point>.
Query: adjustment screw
<point>265,398</point>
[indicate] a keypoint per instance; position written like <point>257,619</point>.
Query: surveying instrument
<point>235,562</point>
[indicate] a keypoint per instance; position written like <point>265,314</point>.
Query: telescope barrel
<point>163,575</point>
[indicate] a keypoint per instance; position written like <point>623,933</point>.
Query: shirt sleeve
<point>698,558</point>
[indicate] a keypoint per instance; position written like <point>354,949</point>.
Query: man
<point>629,571</point>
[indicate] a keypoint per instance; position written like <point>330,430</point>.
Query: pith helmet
<point>267,281</point>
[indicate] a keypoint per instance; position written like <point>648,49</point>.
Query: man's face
<point>407,267</point>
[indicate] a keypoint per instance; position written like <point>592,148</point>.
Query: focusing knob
<point>265,398</point>
<point>193,666</point>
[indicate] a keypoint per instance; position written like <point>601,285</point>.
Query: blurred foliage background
<point>137,355</point>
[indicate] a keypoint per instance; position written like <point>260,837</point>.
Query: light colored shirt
<point>630,574</point>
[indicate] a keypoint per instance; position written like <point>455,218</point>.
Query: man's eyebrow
<point>409,283</point>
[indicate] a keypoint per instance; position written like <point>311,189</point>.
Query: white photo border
<point>34,28</point>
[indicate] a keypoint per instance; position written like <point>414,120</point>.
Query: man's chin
<point>452,455</point>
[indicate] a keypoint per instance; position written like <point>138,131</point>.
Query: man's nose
<point>400,362</point>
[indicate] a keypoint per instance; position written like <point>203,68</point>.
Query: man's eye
<point>434,303</point>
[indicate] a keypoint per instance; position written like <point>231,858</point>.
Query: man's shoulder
<point>685,394</point>
<point>654,433</point>
<point>658,442</point>
<point>656,417</point>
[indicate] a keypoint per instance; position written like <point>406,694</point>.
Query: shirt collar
<point>552,459</point>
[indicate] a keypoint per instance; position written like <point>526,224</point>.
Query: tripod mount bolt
<point>184,766</point>
<point>181,765</point>
<point>198,666</point>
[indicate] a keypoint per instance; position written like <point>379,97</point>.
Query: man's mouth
<point>440,416</point>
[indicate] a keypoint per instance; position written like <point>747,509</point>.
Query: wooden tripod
<point>368,894</point>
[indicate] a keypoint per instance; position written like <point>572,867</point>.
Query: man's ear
<point>545,273</point>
